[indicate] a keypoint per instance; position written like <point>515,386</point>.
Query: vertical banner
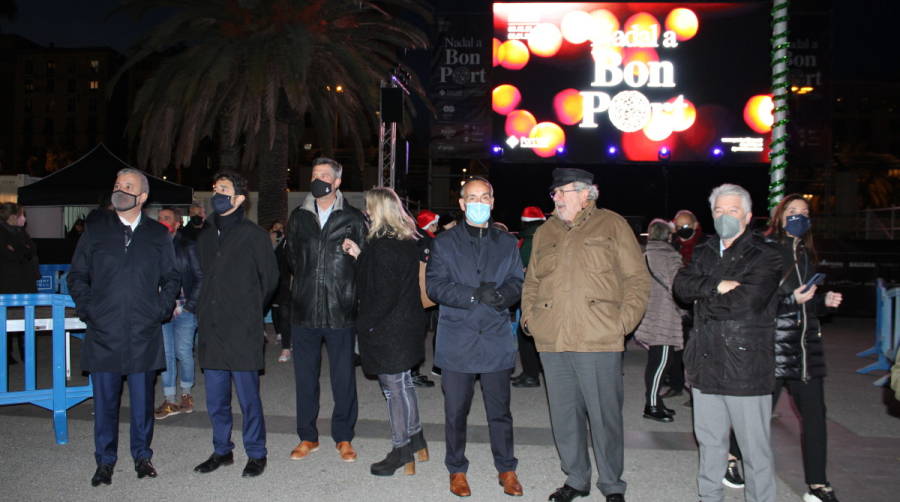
<point>460,86</point>
<point>809,63</point>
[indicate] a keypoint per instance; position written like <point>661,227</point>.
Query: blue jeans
<point>403,407</point>
<point>178,340</point>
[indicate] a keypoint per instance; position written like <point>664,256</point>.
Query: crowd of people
<point>733,317</point>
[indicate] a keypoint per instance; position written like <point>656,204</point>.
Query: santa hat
<point>426,218</point>
<point>533,213</point>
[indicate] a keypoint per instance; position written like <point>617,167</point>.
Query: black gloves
<point>487,294</point>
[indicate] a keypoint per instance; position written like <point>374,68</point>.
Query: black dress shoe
<point>567,494</point>
<point>527,381</point>
<point>214,462</point>
<point>669,411</point>
<point>420,380</point>
<point>144,468</point>
<point>254,467</point>
<point>657,413</point>
<point>615,497</point>
<point>103,475</point>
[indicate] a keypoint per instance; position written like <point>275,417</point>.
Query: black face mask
<point>196,220</point>
<point>279,234</point>
<point>319,188</point>
<point>123,201</point>
<point>685,232</point>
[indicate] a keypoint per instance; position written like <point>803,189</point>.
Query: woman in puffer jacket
<point>660,329</point>
<point>799,357</point>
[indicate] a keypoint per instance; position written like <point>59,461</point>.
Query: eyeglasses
<point>553,193</point>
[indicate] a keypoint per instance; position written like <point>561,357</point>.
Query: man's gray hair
<point>333,164</point>
<point>593,191</point>
<point>659,230</point>
<point>730,189</point>
<point>462,189</point>
<point>145,184</point>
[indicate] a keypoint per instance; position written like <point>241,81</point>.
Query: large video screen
<point>632,82</point>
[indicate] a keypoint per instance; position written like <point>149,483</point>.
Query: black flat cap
<point>565,175</point>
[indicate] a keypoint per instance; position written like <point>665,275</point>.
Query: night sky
<point>864,31</point>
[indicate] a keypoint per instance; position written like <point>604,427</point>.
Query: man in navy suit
<point>475,274</point>
<point>124,282</point>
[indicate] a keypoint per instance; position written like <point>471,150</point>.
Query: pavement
<point>660,459</point>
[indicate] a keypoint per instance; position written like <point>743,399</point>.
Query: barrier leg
<point>872,351</point>
<point>882,364</point>
<point>60,422</point>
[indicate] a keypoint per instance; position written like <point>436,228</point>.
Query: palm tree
<point>243,71</point>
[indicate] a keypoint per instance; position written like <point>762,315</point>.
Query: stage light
<point>611,151</point>
<point>561,150</point>
<point>717,152</point>
<point>664,153</point>
<point>496,150</point>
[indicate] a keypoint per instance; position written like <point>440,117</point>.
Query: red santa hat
<point>426,218</point>
<point>533,213</point>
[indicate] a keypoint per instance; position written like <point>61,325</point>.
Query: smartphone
<point>817,279</point>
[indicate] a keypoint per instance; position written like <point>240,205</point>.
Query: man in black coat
<point>240,275</point>
<point>729,357</point>
<point>323,306</point>
<point>124,282</point>
<point>475,274</point>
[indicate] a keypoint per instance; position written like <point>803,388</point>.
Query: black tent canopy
<point>88,180</point>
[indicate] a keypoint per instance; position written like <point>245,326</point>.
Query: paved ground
<point>660,459</point>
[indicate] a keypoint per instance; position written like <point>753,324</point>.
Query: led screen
<point>634,82</point>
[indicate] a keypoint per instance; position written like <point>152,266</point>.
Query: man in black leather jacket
<point>323,305</point>
<point>178,333</point>
<point>730,358</point>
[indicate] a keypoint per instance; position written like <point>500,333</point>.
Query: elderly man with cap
<point>585,289</point>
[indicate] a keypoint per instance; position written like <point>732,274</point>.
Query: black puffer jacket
<point>731,347</point>
<point>188,264</point>
<point>323,294</point>
<point>391,319</point>
<point>798,338</point>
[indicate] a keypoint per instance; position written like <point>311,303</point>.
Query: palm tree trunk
<point>272,170</point>
<point>229,154</point>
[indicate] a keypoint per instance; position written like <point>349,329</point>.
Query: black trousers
<point>531,363</point>
<point>458,391</point>
<point>658,358</point>
<point>809,400</point>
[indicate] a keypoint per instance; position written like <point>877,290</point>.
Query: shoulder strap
<point>654,276</point>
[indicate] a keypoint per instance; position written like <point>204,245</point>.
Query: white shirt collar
<point>133,225</point>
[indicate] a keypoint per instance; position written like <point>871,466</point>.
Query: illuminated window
<point>95,65</point>
<point>94,84</point>
<point>29,85</point>
<point>51,65</point>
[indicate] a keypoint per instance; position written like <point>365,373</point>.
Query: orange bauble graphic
<point>758,113</point>
<point>683,114</point>
<point>683,22</point>
<point>505,98</point>
<point>519,123</point>
<point>568,106</point>
<point>642,22</point>
<point>605,24</point>
<point>545,40</point>
<point>551,136</point>
<point>513,55</point>
<point>496,51</point>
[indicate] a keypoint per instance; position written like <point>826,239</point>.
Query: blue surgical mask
<point>478,213</point>
<point>221,203</point>
<point>797,225</point>
<point>727,226</point>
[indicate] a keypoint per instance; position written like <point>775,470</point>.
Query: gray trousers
<point>750,417</point>
<point>585,388</point>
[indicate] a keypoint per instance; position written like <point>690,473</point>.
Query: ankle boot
<point>398,457</point>
<point>419,446</point>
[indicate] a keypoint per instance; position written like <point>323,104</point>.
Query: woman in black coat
<point>391,322</point>
<point>799,358</point>
<point>18,262</point>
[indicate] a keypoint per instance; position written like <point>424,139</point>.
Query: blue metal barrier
<point>887,331</point>
<point>59,397</point>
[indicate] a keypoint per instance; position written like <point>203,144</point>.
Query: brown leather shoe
<point>459,486</point>
<point>304,449</point>
<point>346,451</point>
<point>510,483</point>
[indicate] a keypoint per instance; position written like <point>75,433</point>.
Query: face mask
<point>685,233</point>
<point>169,226</point>
<point>279,234</point>
<point>478,213</point>
<point>221,203</point>
<point>20,221</point>
<point>727,226</point>
<point>319,188</point>
<point>797,225</point>
<point>196,220</point>
<point>123,201</point>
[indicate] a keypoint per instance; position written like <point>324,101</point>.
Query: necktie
<point>128,234</point>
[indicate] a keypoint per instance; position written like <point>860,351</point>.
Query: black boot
<point>419,446</point>
<point>398,457</point>
<point>657,413</point>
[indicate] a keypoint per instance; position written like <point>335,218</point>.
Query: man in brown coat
<point>585,289</point>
